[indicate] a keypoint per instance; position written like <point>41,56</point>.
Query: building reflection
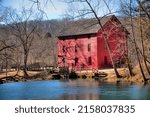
<point>85,90</point>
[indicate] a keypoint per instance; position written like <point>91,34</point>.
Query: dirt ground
<point>111,77</point>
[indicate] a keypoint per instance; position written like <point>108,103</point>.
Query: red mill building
<point>82,45</point>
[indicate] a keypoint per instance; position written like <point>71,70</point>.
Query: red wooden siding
<point>80,52</point>
<point>89,51</point>
<point>116,36</point>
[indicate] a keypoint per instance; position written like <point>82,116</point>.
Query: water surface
<point>72,90</point>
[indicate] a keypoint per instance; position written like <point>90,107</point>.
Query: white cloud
<point>53,10</point>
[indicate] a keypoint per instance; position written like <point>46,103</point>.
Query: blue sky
<point>53,11</point>
<point>58,8</point>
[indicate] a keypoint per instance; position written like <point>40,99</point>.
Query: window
<point>76,48</point>
<point>76,61</point>
<point>64,49</point>
<point>105,60</point>
<point>90,61</point>
<point>63,60</point>
<point>83,65</point>
<point>89,47</point>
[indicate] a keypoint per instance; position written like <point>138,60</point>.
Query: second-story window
<point>76,48</point>
<point>89,47</point>
<point>64,49</point>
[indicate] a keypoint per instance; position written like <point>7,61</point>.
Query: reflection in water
<point>72,90</point>
<point>85,90</point>
<point>80,97</point>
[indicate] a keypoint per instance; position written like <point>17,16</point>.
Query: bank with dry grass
<point>18,76</point>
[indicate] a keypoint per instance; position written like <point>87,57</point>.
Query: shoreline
<point>43,75</point>
<point>117,81</point>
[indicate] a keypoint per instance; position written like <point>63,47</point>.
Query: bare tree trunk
<point>106,40</point>
<point>142,41</point>
<point>6,67</point>
<point>127,59</point>
<point>136,48</point>
<point>25,65</point>
<point>129,68</point>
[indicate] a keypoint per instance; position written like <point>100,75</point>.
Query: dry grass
<point>138,75</point>
<point>20,73</point>
<point>89,73</point>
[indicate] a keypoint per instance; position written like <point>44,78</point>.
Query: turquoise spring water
<point>73,90</point>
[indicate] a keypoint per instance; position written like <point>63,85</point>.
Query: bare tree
<point>135,43</point>
<point>141,8</point>
<point>23,32</point>
<point>138,15</point>
<point>6,49</point>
